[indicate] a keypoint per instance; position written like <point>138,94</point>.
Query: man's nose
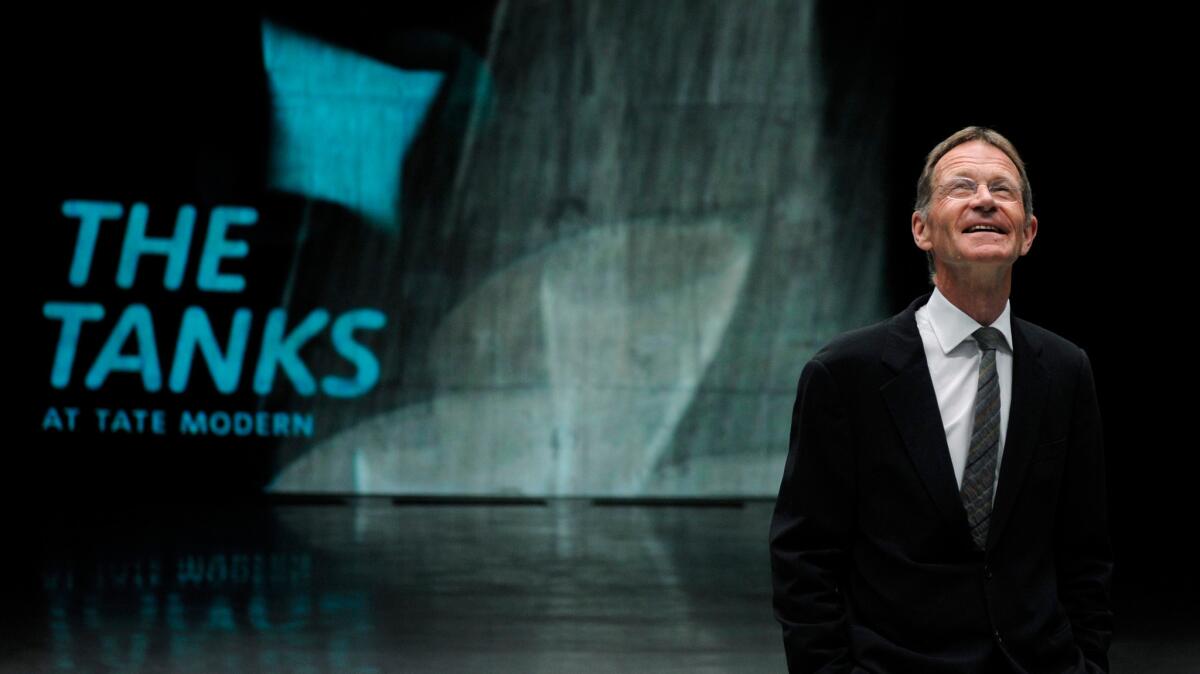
<point>983,199</point>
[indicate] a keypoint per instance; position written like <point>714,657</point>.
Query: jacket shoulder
<point>1052,345</point>
<point>856,347</point>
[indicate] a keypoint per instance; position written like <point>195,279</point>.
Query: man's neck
<point>980,298</point>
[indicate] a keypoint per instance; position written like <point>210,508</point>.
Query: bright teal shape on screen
<point>342,122</point>
<point>196,334</point>
<point>90,214</point>
<point>138,244</point>
<point>281,350</point>
<point>218,247</point>
<point>137,322</point>
<point>73,315</point>
<point>366,366</point>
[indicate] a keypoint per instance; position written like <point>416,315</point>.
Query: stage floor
<point>375,586</point>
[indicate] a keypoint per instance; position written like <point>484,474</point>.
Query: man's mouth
<point>983,228</point>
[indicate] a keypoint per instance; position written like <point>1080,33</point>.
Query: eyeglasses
<point>965,188</point>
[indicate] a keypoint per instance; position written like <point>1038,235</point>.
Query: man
<point>943,505</point>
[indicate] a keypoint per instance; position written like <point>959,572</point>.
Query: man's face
<point>974,229</point>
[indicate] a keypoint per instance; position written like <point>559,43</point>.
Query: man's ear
<point>920,231</point>
<point>1030,233</point>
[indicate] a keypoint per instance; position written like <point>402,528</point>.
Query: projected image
<point>623,273</point>
<point>489,262</point>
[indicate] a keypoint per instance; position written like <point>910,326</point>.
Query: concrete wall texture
<point>645,224</point>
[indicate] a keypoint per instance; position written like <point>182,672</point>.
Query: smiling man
<point>943,505</point>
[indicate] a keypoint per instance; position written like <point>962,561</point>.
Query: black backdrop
<point>1093,100</point>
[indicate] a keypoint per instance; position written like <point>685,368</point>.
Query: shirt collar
<point>952,326</point>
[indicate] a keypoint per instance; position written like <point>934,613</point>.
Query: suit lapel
<point>913,404</point>
<point>1028,399</point>
<point>911,399</point>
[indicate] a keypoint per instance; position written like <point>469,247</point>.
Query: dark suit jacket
<point>872,561</point>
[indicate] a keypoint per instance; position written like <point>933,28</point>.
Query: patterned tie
<point>980,472</point>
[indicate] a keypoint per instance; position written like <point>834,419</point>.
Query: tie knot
<point>989,338</point>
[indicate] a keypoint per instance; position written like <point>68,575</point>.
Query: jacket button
<point>999,639</point>
<point>987,572</point>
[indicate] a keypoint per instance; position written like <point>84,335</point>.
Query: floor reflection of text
<point>197,609</point>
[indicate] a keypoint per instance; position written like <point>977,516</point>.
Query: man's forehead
<point>976,156</point>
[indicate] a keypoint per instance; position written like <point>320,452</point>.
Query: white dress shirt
<point>953,357</point>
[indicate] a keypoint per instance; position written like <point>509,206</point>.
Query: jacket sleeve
<point>1084,553</point>
<point>812,527</point>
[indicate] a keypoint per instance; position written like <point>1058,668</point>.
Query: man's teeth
<point>983,228</point>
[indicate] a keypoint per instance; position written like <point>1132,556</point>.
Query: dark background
<point>171,108</point>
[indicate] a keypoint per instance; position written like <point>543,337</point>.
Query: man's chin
<point>982,264</point>
<point>987,254</point>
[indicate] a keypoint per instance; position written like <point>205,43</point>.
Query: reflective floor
<point>377,586</point>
